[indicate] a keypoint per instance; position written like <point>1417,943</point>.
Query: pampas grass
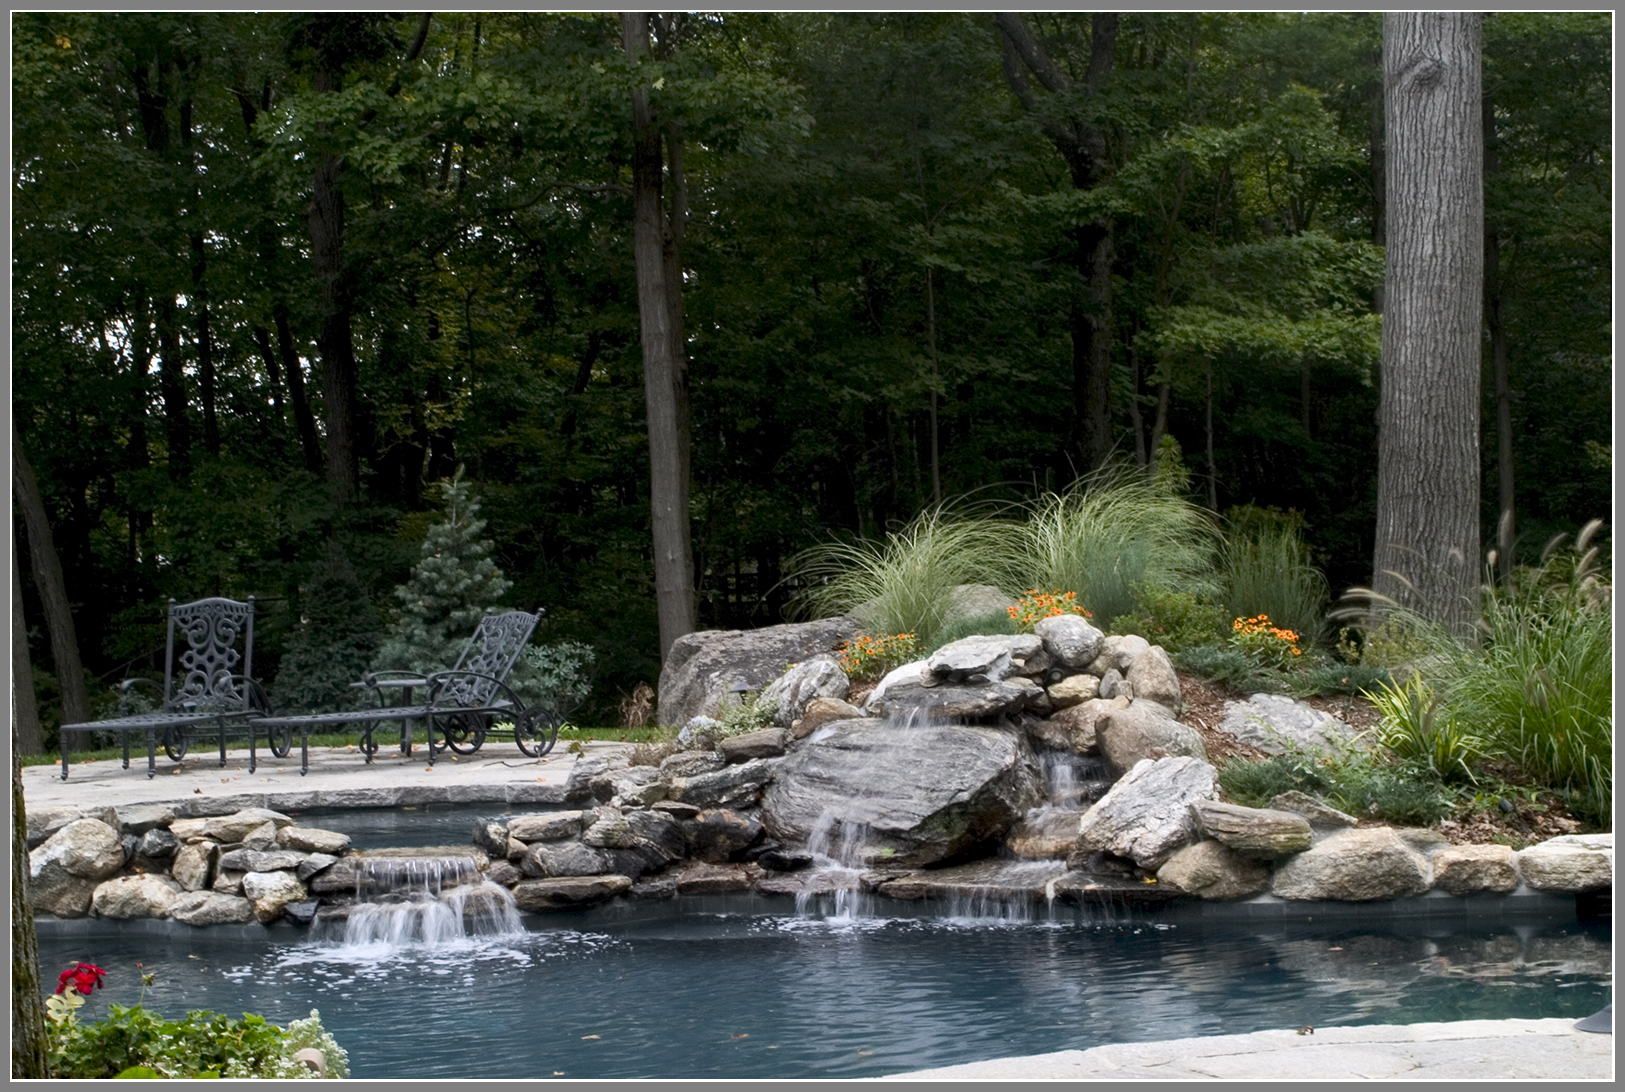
<point>1266,570</point>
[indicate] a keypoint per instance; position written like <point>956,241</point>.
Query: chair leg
<point>253,755</point>
<point>304,751</point>
<point>63,740</point>
<point>222,744</point>
<point>125,736</point>
<point>152,752</point>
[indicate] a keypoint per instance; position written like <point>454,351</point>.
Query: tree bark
<point>1083,146</point>
<point>665,392</point>
<point>1507,528</point>
<point>53,590</point>
<point>1427,544</point>
<point>172,387</point>
<point>30,1049</point>
<point>27,737</point>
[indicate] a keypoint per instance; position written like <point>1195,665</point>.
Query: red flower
<point>83,977</point>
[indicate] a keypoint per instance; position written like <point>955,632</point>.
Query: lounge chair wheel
<point>464,734</point>
<point>175,743</point>
<point>281,741</point>
<point>368,746</point>
<point>536,731</point>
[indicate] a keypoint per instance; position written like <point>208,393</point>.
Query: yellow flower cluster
<point>1035,605</point>
<point>866,657</point>
<point>1268,643</point>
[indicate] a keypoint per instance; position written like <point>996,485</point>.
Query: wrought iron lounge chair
<point>461,707</point>
<point>201,687</point>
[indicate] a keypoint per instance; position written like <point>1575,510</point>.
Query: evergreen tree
<point>333,645</point>
<point>453,583</point>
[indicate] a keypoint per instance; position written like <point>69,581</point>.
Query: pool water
<point>780,996</point>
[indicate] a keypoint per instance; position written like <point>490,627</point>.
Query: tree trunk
<point>172,386</point>
<point>53,590</point>
<point>663,365</point>
<point>304,420</point>
<point>1494,317</point>
<point>1427,544</point>
<point>30,1049</point>
<point>26,736</point>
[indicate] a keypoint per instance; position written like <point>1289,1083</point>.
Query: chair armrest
<point>124,693</point>
<point>374,679</point>
<point>258,703</point>
<point>437,685</point>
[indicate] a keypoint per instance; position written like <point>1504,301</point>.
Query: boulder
<point>1045,833</point>
<point>235,827</point>
<point>791,693</point>
<point>210,908</point>
<point>270,892</point>
<point>568,892</point>
<point>988,887</point>
<point>1145,817</point>
<point>1113,686</point>
<point>1073,690</point>
<point>44,822</point>
<point>608,830</point>
<point>127,897</point>
<point>1152,678</point>
<point>728,787</point>
<point>767,743</point>
<point>1274,723</point>
<point>821,711</point>
<point>955,701</point>
<point>491,837</point>
<point>1118,652</point>
<point>313,864</point>
<point>689,763</point>
<point>1322,817</point>
<point>1570,862</point>
<point>157,844</point>
<point>87,848</point>
<point>578,786</point>
<point>1069,639</point>
<point>141,818</point>
<point>1467,870</point>
<point>54,890</point>
<point>1258,833</point>
<point>261,837</point>
<point>312,840</point>
<point>968,601</point>
<point>700,668</point>
<point>980,658</point>
<point>1081,722</point>
<point>923,792</point>
<point>231,883</point>
<point>551,859</point>
<point>195,864</point>
<point>634,794</point>
<point>261,860</point>
<point>719,833</point>
<point>549,827</point>
<point>504,873</point>
<point>702,878</point>
<point>910,674</point>
<point>1212,870</point>
<point>1145,730</point>
<point>659,838</point>
<point>1354,866</point>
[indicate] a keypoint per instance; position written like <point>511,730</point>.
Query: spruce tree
<point>451,586</point>
<point>334,643</point>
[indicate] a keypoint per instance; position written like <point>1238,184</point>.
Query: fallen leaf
<point>744,1036</point>
<point>589,1036</point>
<point>1334,949</point>
<point>558,1073</point>
<point>866,1053</point>
<point>428,769</point>
<point>198,791</point>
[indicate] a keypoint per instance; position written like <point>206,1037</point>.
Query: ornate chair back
<point>205,677</point>
<point>491,651</point>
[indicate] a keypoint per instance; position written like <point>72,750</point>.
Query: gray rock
<point>1037,664</point>
<point>44,822</point>
<point>1570,862</point>
<point>491,837</point>
<point>1354,866</point>
<point>230,883</point>
<point>767,743</point>
<point>1081,723</point>
<point>989,884</point>
<point>228,829</point>
<point>1070,639</point>
<point>991,658</point>
<point>578,786</point>
<point>822,711</point>
<point>957,701</point>
<point>129,897</point>
<point>141,818</point>
<point>974,601</point>
<point>1045,833</point>
<point>1152,678</point>
<point>302,913</point>
<point>505,873</point>
<point>659,837</point>
<point>261,837</point>
<point>718,834</point>
<point>729,787</point>
<point>209,908</point>
<point>1322,817</point>
<point>690,763</point>
<point>1074,690</point>
<point>313,864</point>
<point>791,693</point>
<point>1212,870</point>
<point>1274,723</point>
<point>261,860</point>
<point>701,878</point>
<point>87,848</point>
<point>1118,652</point>
<point>923,792</point>
<point>548,827</point>
<point>701,668</point>
<point>700,734</point>
<point>312,840</point>
<point>270,892</point>
<point>1145,816</point>
<point>1466,870</point>
<point>910,674</point>
<point>1145,730</point>
<point>608,830</point>
<point>551,859</point>
<point>1113,686</point>
<point>54,890</point>
<point>157,843</point>
<point>1258,833</point>
<point>568,892</point>
<point>195,864</point>
<point>659,888</point>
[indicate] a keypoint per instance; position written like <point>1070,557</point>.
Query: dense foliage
<point>245,244</point>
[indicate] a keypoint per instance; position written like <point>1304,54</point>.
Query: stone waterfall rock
<point>731,786</point>
<point>956,701</point>
<point>56,891</point>
<point>991,658</point>
<point>1466,870</point>
<point>1151,677</point>
<point>1212,870</point>
<point>1074,690</point>
<point>1259,833</point>
<point>1145,730</point>
<point>821,711</point>
<point>1354,866</point>
<point>1145,817</point>
<point>1118,652</point>
<point>1273,723</point>
<point>1570,862</point>
<point>127,897</point>
<point>549,827</point>
<point>1322,817</point>
<point>228,829</point>
<point>1081,723</point>
<point>924,792</point>
<point>1045,833</point>
<point>567,892</point>
<point>1069,639</point>
<point>791,693</point>
<point>766,743</point>
<point>312,840</point>
<point>87,848</point>
<point>271,891</point>
<point>701,668</point>
<point>209,908</point>
<point>718,834</point>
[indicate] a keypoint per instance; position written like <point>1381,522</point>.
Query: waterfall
<point>423,900</point>
<point>838,865</point>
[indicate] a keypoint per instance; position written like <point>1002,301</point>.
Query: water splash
<point>837,850</point>
<point>430,901</point>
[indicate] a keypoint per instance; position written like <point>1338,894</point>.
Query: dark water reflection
<point>765,997</point>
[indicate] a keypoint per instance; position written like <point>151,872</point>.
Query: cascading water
<point>838,867</point>
<point>422,900</point>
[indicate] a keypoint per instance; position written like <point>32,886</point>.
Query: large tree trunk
<point>664,384</point>
<point>1496,320</point>
<point>30,1049</point>
<point>1427,546</point>
<point>1083,145</point>
<point>53,590</point>
<point>27,738</point>
<point>172,387</point>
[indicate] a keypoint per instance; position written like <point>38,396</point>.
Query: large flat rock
<point>701,668</point>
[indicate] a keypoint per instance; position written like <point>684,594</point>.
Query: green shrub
<point>1104,535</point>
<point>202,1044</point>
<point>1420,730</point>
<point>333,644</point>
<point>1255,784</point>
<point>1267,571</point>
<point>905,584</point>
<point>1175,620</point>
<point>556,676</point>
<point>1335,678</point>
<point>1226,666</point>
<point>993,624</point>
